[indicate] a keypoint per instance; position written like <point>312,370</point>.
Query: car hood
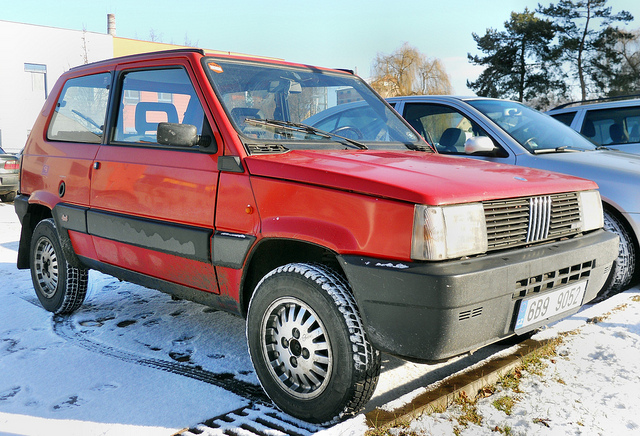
<point>593,162</point>
<point>616,173</point>
<point>412,176</point>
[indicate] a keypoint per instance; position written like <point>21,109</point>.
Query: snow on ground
<point>93,373</point>
<point>51,385</point>
<point>591,388</point>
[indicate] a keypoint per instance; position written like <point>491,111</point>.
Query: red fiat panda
<point>196,174</point>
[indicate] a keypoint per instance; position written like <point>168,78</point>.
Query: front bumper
<point>430,311</point>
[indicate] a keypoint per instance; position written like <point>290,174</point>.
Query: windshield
<point>537,132</point>
<point>271,106</point>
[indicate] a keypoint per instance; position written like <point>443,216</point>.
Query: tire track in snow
<point>64,327</point>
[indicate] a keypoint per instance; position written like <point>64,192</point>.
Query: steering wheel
<point>345,130</point>
<point>532,143</point>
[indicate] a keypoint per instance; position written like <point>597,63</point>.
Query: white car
<point>615,124</point>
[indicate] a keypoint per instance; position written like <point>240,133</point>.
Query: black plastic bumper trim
<point>429,311</point>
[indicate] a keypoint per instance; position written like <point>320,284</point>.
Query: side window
<point>151,97</point>
<point>442,126</point>
<point>612,126</point>
<point>565,117</point>
<point>81,109</point>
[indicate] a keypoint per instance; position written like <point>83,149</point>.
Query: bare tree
<point>85,50</point>
<point>189,43</point>
<point>154,36</point>
<point>407,71</point>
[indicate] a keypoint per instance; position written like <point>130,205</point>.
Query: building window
<point>38,78</point>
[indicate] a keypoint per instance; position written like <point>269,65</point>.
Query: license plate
<point>545,306</point>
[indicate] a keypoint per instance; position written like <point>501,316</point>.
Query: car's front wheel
<point>624,266</point>
<point>308,344</point>
<point>60,287</point>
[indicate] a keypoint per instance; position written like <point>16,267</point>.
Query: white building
<point>31,60</point>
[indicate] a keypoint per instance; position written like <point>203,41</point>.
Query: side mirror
<point>479,144</point>
<point>285,85</point>
<point>295,88</point>
<point>184,135</point>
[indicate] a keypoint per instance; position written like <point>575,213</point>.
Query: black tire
<point>60,287</point>
<point>306,312</point>
<point>624,266</point>
<point>8,198</point>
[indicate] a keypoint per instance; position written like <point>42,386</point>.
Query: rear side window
<point>155,96</point>
<point>565,117</point>
<point>81,109</point>
<point>613,126</point>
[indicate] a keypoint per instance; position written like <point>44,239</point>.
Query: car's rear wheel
<point>60,287</point>
<point>7,198</point>
<point>308,344</point>
<point>624,266</point>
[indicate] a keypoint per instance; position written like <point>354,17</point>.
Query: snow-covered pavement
<point>117,366</point>
<point>48,386</point>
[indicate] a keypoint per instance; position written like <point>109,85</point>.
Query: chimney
<point>111,24</point>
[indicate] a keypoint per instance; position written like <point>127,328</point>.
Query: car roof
<point>435,97</point>
<point>443,99</point>
<point>201,53</point>
<point>572,107</point>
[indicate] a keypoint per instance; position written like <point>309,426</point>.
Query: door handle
<point>96,165</point>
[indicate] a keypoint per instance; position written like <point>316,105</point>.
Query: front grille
<point>552,279</point>
<point>522,221</point>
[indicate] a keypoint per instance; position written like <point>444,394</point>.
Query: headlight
<point>591,210</point>
<point>448,232</point>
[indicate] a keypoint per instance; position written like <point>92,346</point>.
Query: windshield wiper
<point>299,127</point>
<point>555,150</point>
<point>607,147</point>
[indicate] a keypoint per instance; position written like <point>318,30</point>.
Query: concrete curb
<point>443,394</point>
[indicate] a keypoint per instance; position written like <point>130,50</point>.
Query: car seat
<point>145,107</point>
<point>618,134</point>
<point>588,129</point>
<point>452,140</point>
<point>634,135</point>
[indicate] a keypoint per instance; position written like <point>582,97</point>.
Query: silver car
<point>509,132</point>
<point>9,169</point>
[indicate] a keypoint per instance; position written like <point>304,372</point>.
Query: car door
<point>152,206</point>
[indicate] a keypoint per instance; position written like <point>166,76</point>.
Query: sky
<point>328,33</point>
